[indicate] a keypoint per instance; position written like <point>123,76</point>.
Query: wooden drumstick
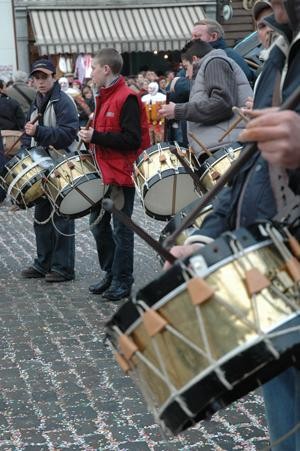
<point>238,111</point>
<point>166,120</point>
<point>203,146</point>
<point>20,137</point>
<point>233,125</point>
<point>87,126</point>
<point>241,117</point>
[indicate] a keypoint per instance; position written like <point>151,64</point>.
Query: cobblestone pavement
<point>60,388</point>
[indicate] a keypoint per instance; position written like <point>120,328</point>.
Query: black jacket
<point>11,114</point>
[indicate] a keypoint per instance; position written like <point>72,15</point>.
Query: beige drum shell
<point>29,187</point>
<point>68,176</point>
<point>9,137</point>
<point>215,168</point>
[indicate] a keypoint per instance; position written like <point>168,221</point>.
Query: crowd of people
<point>110,114</point>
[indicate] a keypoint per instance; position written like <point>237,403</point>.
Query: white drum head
<point>76,200</point>
<point>169,195</point>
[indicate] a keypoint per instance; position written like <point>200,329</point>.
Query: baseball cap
<point>43,65</point>
<point>260,6</point>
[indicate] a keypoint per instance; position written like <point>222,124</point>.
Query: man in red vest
<point>119,134</point>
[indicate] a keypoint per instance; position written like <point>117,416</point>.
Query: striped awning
<point>127,29</point>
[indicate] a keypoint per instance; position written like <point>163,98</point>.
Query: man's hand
<point>167,110</point>
<point>182,251</point>
<point>277,134</point>
<point>86,134</point>
<point>30,129</point>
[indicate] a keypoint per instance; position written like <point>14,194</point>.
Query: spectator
<point>211,31</point>
<point>11,114</point>
<point>21,91</point>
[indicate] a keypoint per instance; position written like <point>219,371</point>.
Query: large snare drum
<point>163,184</point>
<point>22,176</point>
<point>177,220</point>
<point>9,137</point>
<point>74,185</point>
<point>215,166</point>
<point>213,327</point>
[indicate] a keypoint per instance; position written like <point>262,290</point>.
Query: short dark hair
<point>111,57</point>
<point>197,48</point>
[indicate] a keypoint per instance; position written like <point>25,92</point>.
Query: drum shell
<point>216,165</point>
<point>71,182</point>
<point>165,187</point>
<point>26,190</point>
<point>176,221</point>
<point>242,355</point>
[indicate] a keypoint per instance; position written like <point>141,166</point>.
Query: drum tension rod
<point>197,185</point>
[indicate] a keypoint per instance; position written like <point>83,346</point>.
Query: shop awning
<point>127,29</point>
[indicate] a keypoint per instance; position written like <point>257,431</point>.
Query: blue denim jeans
<point>115,245</point>
<point>55,252</point>
<point>282,405</point>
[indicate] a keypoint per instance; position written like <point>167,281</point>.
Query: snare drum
<point>74,186</point>
<point>215,166</point>
<point>162,183</point>
<point>22,176</point>
<point>176,221</point>
<point>9,137</point>
<point>212,328</point>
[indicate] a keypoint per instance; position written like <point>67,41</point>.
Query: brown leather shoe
<point>32,273</point>
<point>54,276</point>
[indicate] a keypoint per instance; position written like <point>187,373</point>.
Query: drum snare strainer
<point>213,327</point>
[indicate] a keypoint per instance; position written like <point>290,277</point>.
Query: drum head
<point>167,194</point>
<point>78,200</point>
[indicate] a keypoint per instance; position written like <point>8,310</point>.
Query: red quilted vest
<point>116,166</point>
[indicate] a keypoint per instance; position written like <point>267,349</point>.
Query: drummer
<point>218,85</point>
<point>57,127</point>
<point>119,134</point>
<point>251,197</point>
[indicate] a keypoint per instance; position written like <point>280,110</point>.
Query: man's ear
<point>107,69</point>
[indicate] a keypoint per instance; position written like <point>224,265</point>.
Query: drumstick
<point>237,110</point>
<point>20,137</point>
<point>166,120</point>
<point>108,205</point>
<point>87,126</point>
<point>236,122</point>
<point>203,146</point>
<point>233,125</point>
<point>290,104</point>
